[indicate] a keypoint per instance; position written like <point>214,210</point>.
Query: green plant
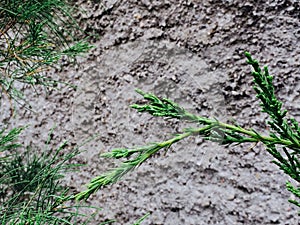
<point>31,184</point>
<point>282,142</point>
<point>34,36</point>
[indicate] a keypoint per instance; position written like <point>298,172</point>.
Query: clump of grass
<point>31,184</point>
<point>34,36</point>
<point>282,142</point>
<point>32,189</point>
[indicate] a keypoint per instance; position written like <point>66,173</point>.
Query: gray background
<point>192,53</point>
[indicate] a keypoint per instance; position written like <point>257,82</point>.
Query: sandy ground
<point>191,52</point>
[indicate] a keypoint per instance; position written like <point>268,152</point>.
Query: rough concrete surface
<point>191,52</point>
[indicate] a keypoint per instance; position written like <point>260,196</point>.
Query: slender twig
<point>285,135</point>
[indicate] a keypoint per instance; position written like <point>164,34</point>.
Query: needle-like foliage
<point>35,35</point>
<point>282,142</point>
<point>31,184</point>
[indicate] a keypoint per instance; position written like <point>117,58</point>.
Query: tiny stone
<point>291,8</point>
<point>274,218</point>
<point>137,16</point>
<point>230,196</point>
<point>205,203</point>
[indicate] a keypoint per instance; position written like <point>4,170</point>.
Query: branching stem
<point>284,134</point>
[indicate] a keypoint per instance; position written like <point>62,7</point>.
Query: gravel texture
<point>191,52</point>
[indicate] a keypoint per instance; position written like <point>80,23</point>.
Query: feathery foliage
<point>31,184</point>
<point>34,36</point>
<point>282,142</point>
